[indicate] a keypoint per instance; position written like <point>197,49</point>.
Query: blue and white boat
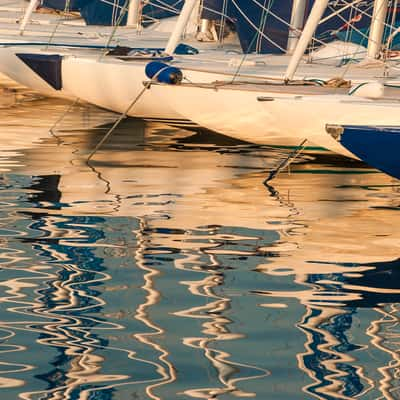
<point>254,99</point>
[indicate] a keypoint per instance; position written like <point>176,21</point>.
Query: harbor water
<point>165,269</point>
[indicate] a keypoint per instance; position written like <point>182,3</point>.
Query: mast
<point>28,13</point>
<point>180,26</point>
<point>377,27</point>
<point>296,23</point>
<point>311,25</point>
<point>133,13</point>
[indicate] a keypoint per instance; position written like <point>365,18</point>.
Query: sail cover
<point>350,19</point>
<point>71,5</point>
<point>262,25</point>
<point>107,12</point>
<point>98,12</point>
<point>215,9</point>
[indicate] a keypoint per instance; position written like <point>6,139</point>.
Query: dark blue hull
<point>378,146</point>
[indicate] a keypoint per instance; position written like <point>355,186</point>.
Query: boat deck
<point>390,93</point>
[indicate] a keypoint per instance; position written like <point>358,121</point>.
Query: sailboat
<point>289,111</point>
<point>145,42</point>
<point>113,81</point>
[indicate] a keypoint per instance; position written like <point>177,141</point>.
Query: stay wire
<point>117,122</point>
<point>147,86</point>
<point>57,25</point>
<point>255,37</point>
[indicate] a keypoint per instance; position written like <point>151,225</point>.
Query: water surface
<point>165,269</point>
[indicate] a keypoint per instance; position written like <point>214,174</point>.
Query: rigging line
<point>113,12</point>
<point>263,23</point>
<point>114,30</point>
<point>63,115</point>
<point>111,3</point>
<point>222,21</point>
<point>386,25</point>
<point>286,162</point>
<point>66,9</point>
<point>256,35</point>
<point>393,33</point>
<point>286,23</point>
<point>365,37</point>
<point>165,6</point>
<point>125,113</point>
<point>353,27</point>
<point>118,121</point>
<point>256,28</point>
<point>349,31</point>
<point>350,27</point>
<point>336,12</point>
<point>333,14</point>
<point>261,26</point>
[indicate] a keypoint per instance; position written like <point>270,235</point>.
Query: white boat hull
<point>274,118</point>
<point>18,71</point>
<point>284,119</point>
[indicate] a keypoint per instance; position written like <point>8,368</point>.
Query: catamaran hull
<point>378,146</point>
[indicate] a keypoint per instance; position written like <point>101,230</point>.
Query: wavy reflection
<point>140,275</point>
<point>334,308</point>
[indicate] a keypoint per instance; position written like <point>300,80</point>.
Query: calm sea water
<point>165,269</point>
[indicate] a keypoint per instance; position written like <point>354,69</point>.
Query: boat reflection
<point>140,274</point>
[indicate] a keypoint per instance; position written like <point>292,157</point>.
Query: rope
<point>263,25</point>
<point>66,9</point>
<point>286,162</point>
<point>114,30</point>
<point>118,121</point>
<point>223,21</point>
<point>125,113</point>
<point>68,109</point>
<point>256,28</point>
<point>256,35</point>
<point>337,82</point>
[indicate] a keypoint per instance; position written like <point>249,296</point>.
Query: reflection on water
<point>165,268</point>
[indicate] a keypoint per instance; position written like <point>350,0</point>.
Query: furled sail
<point>98,12</point>
<point>215,9</point>
<point>262,25</point>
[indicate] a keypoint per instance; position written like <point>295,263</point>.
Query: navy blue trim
<point>47,66</point>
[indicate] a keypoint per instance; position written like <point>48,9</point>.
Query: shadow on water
<point>165,268</point>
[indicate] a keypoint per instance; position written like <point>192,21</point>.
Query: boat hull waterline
<point>271,117</point>
<point>260,114</point>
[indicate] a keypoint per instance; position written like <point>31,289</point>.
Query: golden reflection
<point>216,328</point>
<point>164,368</point>
<point>329,229</point>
